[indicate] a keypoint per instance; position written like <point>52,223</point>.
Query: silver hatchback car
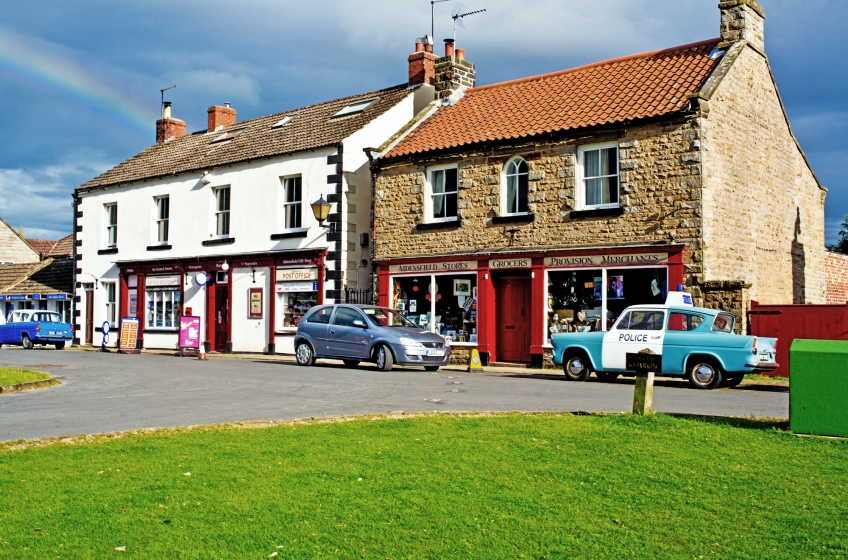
<point>365,333</point>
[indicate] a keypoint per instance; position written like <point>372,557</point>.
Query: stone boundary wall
<point>730,296</point>
<point>836,270</point>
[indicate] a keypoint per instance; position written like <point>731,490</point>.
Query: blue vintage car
<point>694,342</point>
<point>29,327</point>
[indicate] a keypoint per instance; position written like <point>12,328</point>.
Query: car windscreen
<point>47,317</point>
<point>387,318</point>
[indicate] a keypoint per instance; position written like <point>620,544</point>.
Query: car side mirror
<point>358,323</point>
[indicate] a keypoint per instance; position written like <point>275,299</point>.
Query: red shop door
<point>222,317</point>
<point>515,310</point>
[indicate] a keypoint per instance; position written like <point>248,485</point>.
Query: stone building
<point>514,210</point>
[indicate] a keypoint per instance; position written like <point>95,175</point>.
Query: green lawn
<point>13,376</point>
<point>506,486</point>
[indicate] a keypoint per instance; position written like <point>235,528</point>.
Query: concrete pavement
<point>113,392</point>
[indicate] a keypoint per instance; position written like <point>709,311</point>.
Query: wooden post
<point>643,395</point>
<point>645,363</point>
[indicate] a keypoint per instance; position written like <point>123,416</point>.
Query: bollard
<point>643,395</point>
<point>645,363</point>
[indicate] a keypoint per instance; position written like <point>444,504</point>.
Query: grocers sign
<point>455,266</point>
<point>510,263</point>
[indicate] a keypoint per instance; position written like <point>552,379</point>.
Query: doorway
<point>514,304</point>
<point>89,317</point>
<point>222,317</point>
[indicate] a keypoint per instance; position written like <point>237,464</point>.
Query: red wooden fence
<point>788,322</point>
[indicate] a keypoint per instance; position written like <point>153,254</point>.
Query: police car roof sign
<point>679,298</point>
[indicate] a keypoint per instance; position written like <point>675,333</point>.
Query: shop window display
<point>444,304</point>
<point>576,298</point>
<point>163,308</point>
<point>294,305</point>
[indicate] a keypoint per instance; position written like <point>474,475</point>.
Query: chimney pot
<point>428,48</point>
<point>419,46</point>
<point>218,116</point>
<point>448,47</point>
<point>460,54</point>
<point>166,110</point>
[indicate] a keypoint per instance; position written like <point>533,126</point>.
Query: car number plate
<point>435,352</point>
<point>764,357</point>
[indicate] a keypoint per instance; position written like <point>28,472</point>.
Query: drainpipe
<point>374,167</point>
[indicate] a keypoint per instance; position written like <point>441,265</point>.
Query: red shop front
<point>507,305</point>
<point>159,292</point>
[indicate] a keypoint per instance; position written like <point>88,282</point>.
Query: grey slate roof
<point>313,127</point>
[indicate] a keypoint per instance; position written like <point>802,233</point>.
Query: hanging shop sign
<point>511,263</point>
<point>607,260</point>
<point>297,274</point>
<point>157,281</point>
<point>254,301</point>
<point>286,287</point>
<point>452,266</point>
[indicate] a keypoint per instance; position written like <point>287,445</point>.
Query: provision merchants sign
<point>607,260</point>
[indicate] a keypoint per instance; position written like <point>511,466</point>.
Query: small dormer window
<point>285,120</point>
<point>229,135</point>
<point>356,107</point>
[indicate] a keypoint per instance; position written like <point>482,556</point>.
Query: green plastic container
<point>818,390</point>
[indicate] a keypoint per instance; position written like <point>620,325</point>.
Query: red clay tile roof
<point>42,246</point>
<point>624,89</point>
<point>48,248</point>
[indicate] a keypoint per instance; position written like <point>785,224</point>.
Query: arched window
<point>516,187</point>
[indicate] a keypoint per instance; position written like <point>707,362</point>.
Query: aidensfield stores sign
<point>607,260</point>
<point>454,266</point>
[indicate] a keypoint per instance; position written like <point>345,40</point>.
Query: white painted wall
<point>251,334</point>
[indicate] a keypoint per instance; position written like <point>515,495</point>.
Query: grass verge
<point>437,486</point>
<point>13,376</point>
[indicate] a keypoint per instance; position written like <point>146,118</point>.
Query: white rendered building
<point>233,202</point>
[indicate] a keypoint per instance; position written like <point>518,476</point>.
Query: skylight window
<point>357,107</point>
<point>229,135</point>
<point>286,119</point>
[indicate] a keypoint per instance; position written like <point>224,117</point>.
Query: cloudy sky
<point>80,81</point>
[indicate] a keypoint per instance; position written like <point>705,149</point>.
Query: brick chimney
<point>220,116</point>
<point>167,127</point>
<point>453,71</point>
<point>742,20</point>
<point>422,63</point>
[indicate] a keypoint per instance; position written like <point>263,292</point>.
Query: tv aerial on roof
<point>433,16</point>
<point>459,12</point>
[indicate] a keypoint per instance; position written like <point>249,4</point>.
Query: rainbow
<point>56,76</point>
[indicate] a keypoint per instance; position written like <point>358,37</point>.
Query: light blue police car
<point>694,342</point>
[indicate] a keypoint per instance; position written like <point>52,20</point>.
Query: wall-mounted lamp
<point>226,266</point>
<point>253,273</point>
<point>206,179</point>
<point>93,277</point>
<point>321,209</point>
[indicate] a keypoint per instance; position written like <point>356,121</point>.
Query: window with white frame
<point>222,211</point>
<point>163,307</point>
<point>163,216</point>
<point>515,188</point>
<point>111,224</point>
<point>598,174</point>
<point>111,311</point>
<point>442,194</point>
<point>292,202</point>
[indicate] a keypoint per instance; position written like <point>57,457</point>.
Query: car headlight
<point>410,343</point>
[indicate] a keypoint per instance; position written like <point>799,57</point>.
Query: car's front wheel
<point>26,342</point>
<point>576,367</point>
<point>383,358</point>
<point>304,354</point>
<point>59,345</point>
<point>704,374</point>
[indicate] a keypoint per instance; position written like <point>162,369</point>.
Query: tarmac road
<point>116,392</point>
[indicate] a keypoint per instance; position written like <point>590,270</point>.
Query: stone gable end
<point>762,206</point>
